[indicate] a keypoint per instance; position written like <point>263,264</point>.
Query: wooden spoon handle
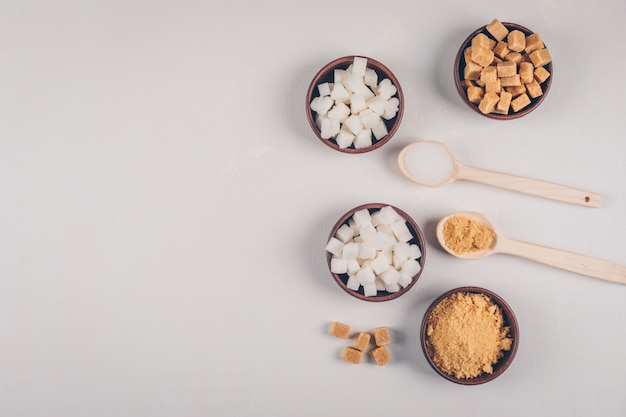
<point>530,186</point>
<point>569,261</point>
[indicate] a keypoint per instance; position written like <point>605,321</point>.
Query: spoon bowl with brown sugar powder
<point>470,235</point>
<point>431,164</point>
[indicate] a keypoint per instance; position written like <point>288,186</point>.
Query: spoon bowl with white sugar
<point>466,239</point>
<point>431,164</point>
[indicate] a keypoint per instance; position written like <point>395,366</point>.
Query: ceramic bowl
<point>509,320</point>
<point>326,75</point>
<point>418,239</point>
<point>459,67</point>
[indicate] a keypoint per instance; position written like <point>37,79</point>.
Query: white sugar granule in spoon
<point>429,163</point>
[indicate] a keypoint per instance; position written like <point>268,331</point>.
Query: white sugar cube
<point>318,120</point>
<point>391,108</point>
<point>397,261</point>
<point>379,265</point>
<point>354,124</point>
<point>366,230</point>
<point>402,250</point>
<point>357,103</point>
<point>322,104</point>
<point>354,83</point>
<point>389,216</point>
<point>366,250</point>
<point>353,283</point>
<point>381,241</point>
<point>411,267</point>
<point>401,231</point>
<point>338,75</point>
<point>363,139</point>
<point>390,276</point>
<point>344,138</point>
<point>385,229</point>
<point>377,104</point>
<point>370,290</point>
<point>366,276</point>
<point>353,266</point>
<point>380,130</point>
<point>314,105</point>
<point>340,111</point>
<point>350,251</point>
<point>369,118</point>
<point>386,88</point>
<point>380,285</point>
<point>370,78</point>
<point>324,89</point>
<point>392,287</point>
<point>361,217</point>
<point>330,128</point>
<point>414,251</point>
<point>345,233</point>
<point>359,66</point>
<point>405,279</point>
<point>339,92</point>
<point>338,265</point>
<point>335,246</point>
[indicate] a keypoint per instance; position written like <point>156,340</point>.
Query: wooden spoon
<point>457,171</point>
<point>569,261</point>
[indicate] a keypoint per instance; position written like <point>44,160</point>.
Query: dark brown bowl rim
<point>418,238</point>
<point>326,73</point>
<point>459,65</point>
<point>509,320</point>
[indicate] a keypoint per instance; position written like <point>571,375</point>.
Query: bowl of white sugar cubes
<point>376,252</point>
<point>354,104</point>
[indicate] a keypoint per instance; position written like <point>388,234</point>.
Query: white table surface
<point>165,206</point>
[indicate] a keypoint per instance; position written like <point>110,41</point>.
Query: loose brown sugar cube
<point>472,71</point>
<point>489,74</point>
<point>540,57</point>
<point>504,103</point>
<point>534,89</point>
<point>514,57</point>
<point>501,49</point>
<point>533,42</point>
<point>475,94</point>
<point>381,336</point>
<point>493,87</point>
<point>339,330</point>
<point>516,40</point>
<point>488,103</point>
<point>520,102</point>
<point>512,81</point>
<point>526,72</point>
<point>497,29</point>
<point>381,355</point>
<point>481,40</point>
<point>516,91</point>
<point>541,74</point>
<point>506,69</point>
<point>362,341</point>
<point>352,355</point>
<point>481,55</point>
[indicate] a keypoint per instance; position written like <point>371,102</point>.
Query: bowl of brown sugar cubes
<point>354,104</point>
<point>376,252</point>
<point>503,70</point>
<point>469,335</point>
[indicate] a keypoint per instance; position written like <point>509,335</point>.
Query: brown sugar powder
<point>466,335</point>
<point>463,235</point>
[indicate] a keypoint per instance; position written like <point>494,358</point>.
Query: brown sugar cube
<point>520,102</point>
<point>516,40</point>
<point>352,355</point>
<point>540,57</point>
<point>516,91</point>
<point>488,103</point>
<point>362,341</point>
<point>489,74</point>
<point>512,81</point>
<point>467,54</point>
<point>493,87</point>
<point>472,71</point>
<point>514,57</point>
<point>481,40</point>
<point>496,60</point>
<point>475,94</point>
<point>506,69</point>
<point>339,330</point>
<point>534,89</point>
<point>466,83</point>
<point>505,102</point>
<point>501,49</point>
<point>541,74</point>
<point>497,29</point>
<point>481,55</point>
<point>381,336</point>
<point>526,72</point>
<point>533,42</point>
<point>381,355</point>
